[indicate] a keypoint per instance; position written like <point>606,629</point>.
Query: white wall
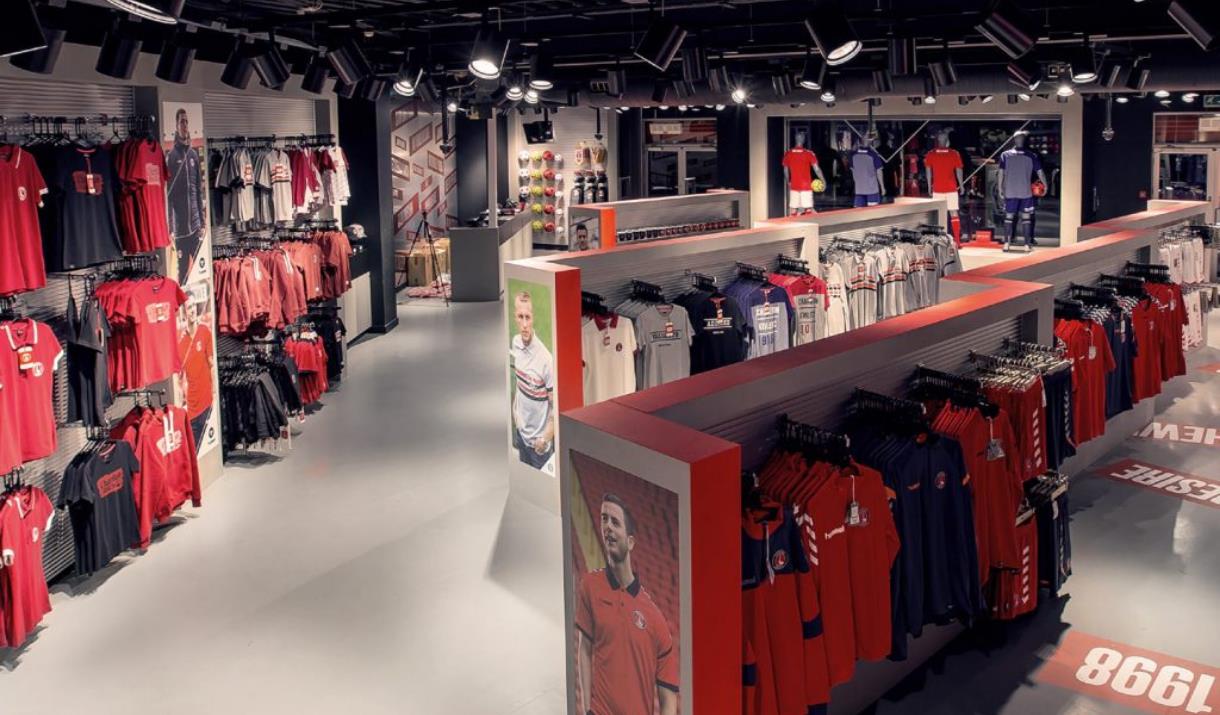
<point>1070,115</point>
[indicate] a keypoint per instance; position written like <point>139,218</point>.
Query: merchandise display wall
<point>642,220</point>
<point>708,428</point>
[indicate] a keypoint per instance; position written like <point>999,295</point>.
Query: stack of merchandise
<point>308,351</point>
<point>258,394</point>
<point>142,312</point>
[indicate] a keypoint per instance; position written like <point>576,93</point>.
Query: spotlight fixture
<point>120,50</point>
<point>408,80</point>
<point>813,73</point>
<point>963,100</point>
<point>694,64</point>
<point>1166,103</point>
<point>1200,19</point>
<point>22,30</point>
<point>542,70</point>
<point>831,32</point>
<point>349,63</point>
<point>487,55</point>
<point>616,82</point>
<point>176,59</point>
<point>372,88</point>
<point>452,106</point>
<point>514,89</point>
<point>1065,90</point>
<point>883,81</point>
<point>42,61</point>
<point>1122,99</point>
<point>270,66</point>
<point>531,96</point>
<point>1161,94</point>
<point>739,95</point>
<point>828,90</point>
<point>1083,65</point>
<point>781,84</point>
<point>316,74</point>
<point>1012,99</point>
<point>987,98</point>
<point>165,12</point>
<point>344,90</point>
<point>1026,74</point>
<point>660,43</point>
<point>1008,28</point>
<point>684,89</point>
<point>660,90</point>
<point>1024,97</point>
<point>942,69</point>
<point>718,80</point>
<point>1137,77</point>
<point>719,107</point>
<point>239,69</point>
<point>1189,98</point>
<point>929,91</point>
<point>901,56</point>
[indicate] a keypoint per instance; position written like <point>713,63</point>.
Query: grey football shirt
<point>665,335</point>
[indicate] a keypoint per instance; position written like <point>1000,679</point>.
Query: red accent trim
<point>567,339</point>
<point>1004,268</point>
<point>607,227</point>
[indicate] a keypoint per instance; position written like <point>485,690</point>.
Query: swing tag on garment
<point>995,449</point>
<point>853,514</point>
<point>1092,352</point>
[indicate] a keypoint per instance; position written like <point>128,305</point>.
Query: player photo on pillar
<point>531,374</point>
<point>625,592</point>
<point>182,139</point>
<point>196,383</point>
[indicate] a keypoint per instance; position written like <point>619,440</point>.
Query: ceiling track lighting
<point>828,90</point>
<point>883,81</point>
<point>270,66</point>
<point>832,33</point>
<point>616,82</point>
<point>1122,100</point>
<point>1025,73</point>
<point>316,74</point>
<point>1065,90</point>
<point>349,63</point>
<point>942,69</point>
<point>408,79</point>
<point>1137,78</point>
<point>660,90</point>
<point>427,91</point>
<point>1161,94</point>
<point>372,88</point>
<point>684,89</point>
<point>120,51</point>
<point>901,55</point>
<point>1083,65</point>
<point>1109,72</point>
<point>542,70</point>
<point>661,41</point>
<point>694,64</point>
<point>488,54</point>
<point>344,90</point>
<point>239,68</point>
<point>781,84</point>
<point>1200,19</point>
<point>42,61</point>
<point>813,73</point>
<point>930,91</point>
<point>719,80</point>
<point>987,98</point>
<point>532,96</point>
<point>176,59</point>
<point>1008,28</point>
<point>739,94</point>
<point>165,12</point>
<point>22,30</point>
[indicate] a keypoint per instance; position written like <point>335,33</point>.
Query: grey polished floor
<point>379,567</point>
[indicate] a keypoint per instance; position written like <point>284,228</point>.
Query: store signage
<point>1213,368</point>
<point>1186,434</point>
<point>1187,487</point>
<point>1211,101</point>
<point>1138,678</point>
<point>665,127</point>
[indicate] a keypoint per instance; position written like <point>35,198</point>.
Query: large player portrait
<point>625,595</point>
<point>531,365</point>
<point>182,138</point>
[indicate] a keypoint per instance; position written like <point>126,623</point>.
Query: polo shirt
<point>608,353</point>
<point>25,517</point>
<point>534,371</point>
<point>943,162</point>
<point>799,162</point>
<point>37,353</point>
<point>21,190</point>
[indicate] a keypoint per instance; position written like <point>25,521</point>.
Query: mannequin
<point>1018,168</point>
<point>798,163</point>
<point>943,166</point>
<point>867,170</point>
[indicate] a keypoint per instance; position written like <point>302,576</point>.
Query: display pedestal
<point>983,238</point>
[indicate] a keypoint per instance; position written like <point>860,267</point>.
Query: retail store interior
<point>610,357</point>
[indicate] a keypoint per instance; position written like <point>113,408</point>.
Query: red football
<point>1038,188</point>
<point>550,226</point>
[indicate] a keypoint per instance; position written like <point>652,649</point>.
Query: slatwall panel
<point>823,405</point>
<point>1088,275</point>
<point>674,281</point>
<point>858,232</point>
<point>19,97</point>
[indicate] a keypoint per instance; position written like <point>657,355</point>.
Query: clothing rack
<point>752,272</point>
<point>1070,309</point>
<point>592,303</point>
<point>1097,295</point>
<point>1130,286</point>
<point>865,405</point>
<point>1154,272</point>
<point>648,292</point>
<point>814,442</point>
<point>303,140</point>
<point>959,389</point>
<point>702,281</point>
<point>46,129</point>
<point>787,264</point>
<point>1013,345</point>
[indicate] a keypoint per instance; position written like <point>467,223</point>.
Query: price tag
<point>995,450</point>
<point>853,514</point>
<point>1092,352</point>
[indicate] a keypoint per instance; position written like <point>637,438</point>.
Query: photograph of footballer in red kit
<point>626,592</point>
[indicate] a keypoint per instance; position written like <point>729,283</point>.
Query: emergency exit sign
<point>1211,101</point>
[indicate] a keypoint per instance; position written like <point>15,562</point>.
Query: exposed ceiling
<point>756,38</point>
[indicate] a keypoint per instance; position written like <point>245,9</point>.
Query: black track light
<point>349,63</point>
<point>719,80</point>
<point>684,89</point>
<point>176,59</point>
<point>427,91</point>
<point>813,73</point>
<point>269,63</point>
<point>119,52</point>
<point>930,92</point>
<point>831,32</point>
<point>1109,72</point>
<point>372,88</point>
<point>942,69</point>
<point>1083,65</point>
<point>165,12</point>
<point>660,90</point>
<point>781,84</point>
<point>316,74</point>
<point>542,69</point>
<point>42,61</point>
<point>346,91</point>
<point>694,64</point>
<point>616,82</point>
<point>1026,74</point>
<point>883,81</point>
<point>22,30</point>
<point>829,89</point>
<point>239,68</point>
<point>499,98</point>
<point>409,77</point>
<point>1200,19</point>
<point>1138,77</point>
<point>514,87</point>
<point>488,54</point>
<point>1008,28</point>
<point>901,51</point>
<point>660,43</point>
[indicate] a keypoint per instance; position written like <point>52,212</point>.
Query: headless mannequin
<point>865,161</point>
<point>1015,195</point>
<point>955,221</point>
<point>800,200</point>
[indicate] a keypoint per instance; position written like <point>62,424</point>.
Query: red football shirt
<point>1147,322</point>
<point>144,174</point>
<point>633,648</point>
<point>38,354</point>
<point>799,162</point>
<point>1089,351</point>
<point>829,559</point>
<point>872,545</point>
<point>197,357</point>
<point>21,190</point>
<point>155,314</point>
<point>944,163</point>
<point>25,518</point>
<point>10,413</point>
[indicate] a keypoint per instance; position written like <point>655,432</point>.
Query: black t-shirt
<point>720,330</point>
<point>98,494</point>
<point>79,227</point>
<point>88,388</point>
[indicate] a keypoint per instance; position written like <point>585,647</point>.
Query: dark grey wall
<point>1117,175</point>
<point>471,138</point>
<point>733,148</point>
<point>775,159</point>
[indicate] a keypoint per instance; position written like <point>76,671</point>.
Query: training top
<point>534,369</point>
<point>799,162</point>
<point>634,652</point>
<point>864,165</point>
<point>664,334</point>
<point>98,493</point>
<point>943,162</point>
<point>721,335</point>
<point>1019,167</point>
<point>79,226</point>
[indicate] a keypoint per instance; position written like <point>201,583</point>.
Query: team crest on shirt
<point>779,560</point>
<point>22,194</point>
<point>942,479</point>
<point>638,619</point>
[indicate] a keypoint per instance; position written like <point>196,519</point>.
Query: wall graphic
<point>425,177</point>
<point>626,591</point>
<point>531,378</point>
<point>182,139</point>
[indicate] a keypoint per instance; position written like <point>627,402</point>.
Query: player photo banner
<point>533,413</point>
<point>625,591</point>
